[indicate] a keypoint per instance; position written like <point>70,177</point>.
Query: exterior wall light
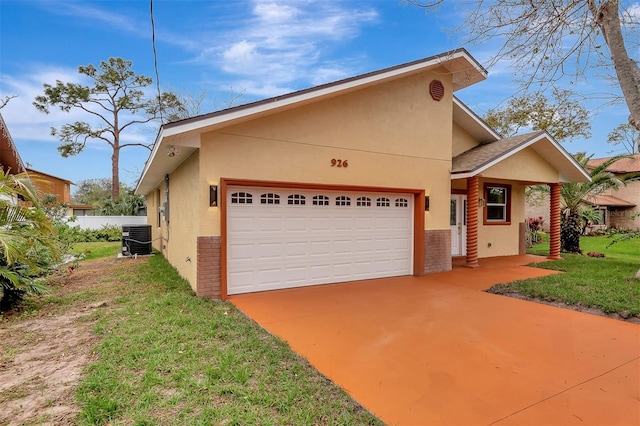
<point>426,203</point>
<point>213,195</point>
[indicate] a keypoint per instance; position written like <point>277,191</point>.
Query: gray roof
<point>483,154</point>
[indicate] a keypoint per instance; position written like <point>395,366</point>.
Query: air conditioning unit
<point>136,240</point>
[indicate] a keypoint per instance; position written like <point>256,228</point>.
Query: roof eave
<point>186,133</point>
<point>575,173</point>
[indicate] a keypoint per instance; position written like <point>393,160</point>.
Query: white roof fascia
<point>475,118</point>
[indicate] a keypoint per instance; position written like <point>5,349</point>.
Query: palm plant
<point>28,242</point>
<point>575,199</point>
<point>127,205</point>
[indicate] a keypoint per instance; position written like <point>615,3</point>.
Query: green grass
<point>168,357</point>
<point>97,250</point>
<point>604,283</point>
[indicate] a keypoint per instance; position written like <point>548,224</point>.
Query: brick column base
<point>208,275</point>
<point>437,251</point>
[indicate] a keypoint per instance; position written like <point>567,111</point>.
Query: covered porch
<point>488,184</point>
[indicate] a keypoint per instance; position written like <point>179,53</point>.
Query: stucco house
<point>383,174</point>
<point>620,207</point>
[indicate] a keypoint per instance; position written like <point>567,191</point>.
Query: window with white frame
<point>497,209</point>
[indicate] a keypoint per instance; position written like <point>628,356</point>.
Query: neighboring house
<point>620,207</point>
<point>49,184</point>
<point>45,183</point>
<point>10,160</point>
<point>383,174</point>
<point>9,157</point>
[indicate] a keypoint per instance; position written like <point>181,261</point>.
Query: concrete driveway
<point>438,350</point>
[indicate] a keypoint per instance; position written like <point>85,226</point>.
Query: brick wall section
<point>208,275</point>
<point>522,234</point>
<point>437,251</point>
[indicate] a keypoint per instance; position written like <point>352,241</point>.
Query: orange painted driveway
<point>436,350</point>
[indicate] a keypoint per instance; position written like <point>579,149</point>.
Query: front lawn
<point>96,250</point>
<point>606,283</point>
<point>168,357</point>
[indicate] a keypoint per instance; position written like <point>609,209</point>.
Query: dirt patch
<point>42,355</point>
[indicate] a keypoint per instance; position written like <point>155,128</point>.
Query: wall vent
<point>436,88</point>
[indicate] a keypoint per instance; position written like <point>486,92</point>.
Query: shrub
<point>74,234</point>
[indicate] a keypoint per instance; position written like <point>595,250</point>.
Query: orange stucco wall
<point>392,135</point>
<point>462,141</point>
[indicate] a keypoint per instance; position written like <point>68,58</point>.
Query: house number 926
<point>339,163</point>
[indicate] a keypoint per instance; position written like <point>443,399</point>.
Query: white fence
<point>97,222</point>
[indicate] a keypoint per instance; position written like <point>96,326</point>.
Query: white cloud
<point>275,12</point>
<point>283,44</point>
<point>85,12</point>
<point>25,122</point>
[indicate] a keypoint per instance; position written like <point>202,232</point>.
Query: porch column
<point>472,221</point>
<point>554,222</point>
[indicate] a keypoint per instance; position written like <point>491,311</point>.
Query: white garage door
<point>279,238</point>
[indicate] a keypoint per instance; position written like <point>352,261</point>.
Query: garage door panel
<point>289,245</point>
<point>296,224</point>
<point>297,249</point>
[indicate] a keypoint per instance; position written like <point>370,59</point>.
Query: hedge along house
<point>362,178</point>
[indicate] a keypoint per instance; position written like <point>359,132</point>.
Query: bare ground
<point>42,355</point>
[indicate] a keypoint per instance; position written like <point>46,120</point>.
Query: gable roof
<point>480,158</point>
<point>43,174</point>
<point>609,201</point>
<point>473,123</point>
<point>624,165</point>
<point>9,156</point>
<point>186,133</point>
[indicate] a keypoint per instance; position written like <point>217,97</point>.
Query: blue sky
<point>259,48</point>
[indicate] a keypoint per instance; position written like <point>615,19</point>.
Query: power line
<point>155,57</point>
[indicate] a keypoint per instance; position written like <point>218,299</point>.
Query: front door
<point>458,222</point>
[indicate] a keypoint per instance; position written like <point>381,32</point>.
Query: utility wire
<point>155,58</point>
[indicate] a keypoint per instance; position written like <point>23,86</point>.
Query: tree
<point>28,243</point>
<point>546,41</point>
<point>190,105</point>
<point>93,191</point>
<point>115,101</point>
<point>575,198</point>
<point>129,204</point>
<point>564,119</point>
<point>627,136</point>
<point>5,100</point>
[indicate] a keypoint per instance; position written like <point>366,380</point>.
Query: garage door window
<point>383,202</point>
<point>296,200</point>
<point>269,199</point>
<point>241,198</point>
<point>402,202</point>
<point>320,200</point>
<point>343,201</point>
<point>363,202</point>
